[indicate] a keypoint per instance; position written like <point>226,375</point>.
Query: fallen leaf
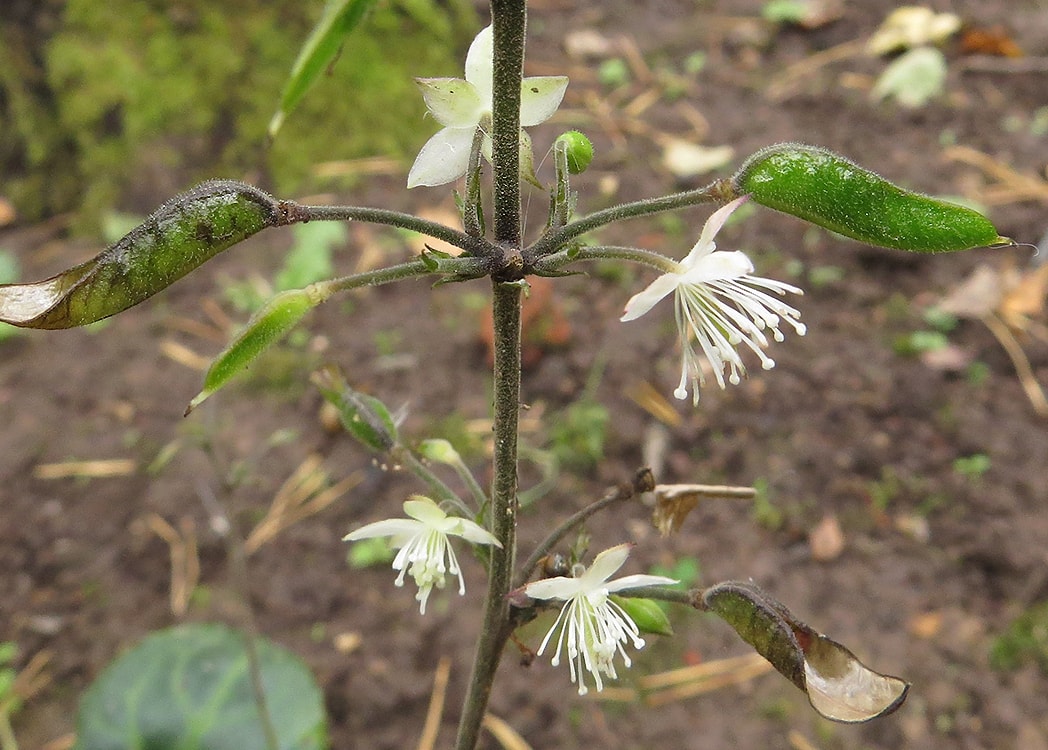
<point>926,625</point>
<point>992,41</point>
<point>976,296</point>
<point>912,78</point>
<point>912,26</point>
<point>685,159</point>
<point>826,540</point>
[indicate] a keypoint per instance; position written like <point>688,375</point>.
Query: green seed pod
<point>579,148</point>
<point>839,686</point>
<point>180,235</point>
<point>648,615</point>
<point>826,189</point>
<point>278,316</point>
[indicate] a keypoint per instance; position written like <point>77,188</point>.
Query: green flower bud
<point>828,190</point>
<point>579,148</point>
<point>440,451</point>
<point>647,613</point>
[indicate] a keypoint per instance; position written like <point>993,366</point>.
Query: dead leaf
<point>926,625</point>
<point>994,41</point>
<point>7,212</point>
<point>686,159</point>
<point>673,502</point>
<point>826,540</point>
<point>976,296</point>
<point>912,26</point>
<point>1025,299</point>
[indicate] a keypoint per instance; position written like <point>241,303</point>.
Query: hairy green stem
<point>554,239</point>
<point>509,18</point>
<point>453,267</point>
<point>552,264</point>
<point>470,245</point>
<point>496,628</point>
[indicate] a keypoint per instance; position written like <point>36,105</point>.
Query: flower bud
<point>579,148</point>
<point>440,451</point>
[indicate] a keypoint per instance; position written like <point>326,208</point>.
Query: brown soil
<point>843,426</point>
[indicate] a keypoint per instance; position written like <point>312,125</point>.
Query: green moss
<point>140,90</point>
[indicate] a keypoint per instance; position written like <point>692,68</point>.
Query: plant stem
<point>642,481</point>
<point>495,628</point>
<point>471,245</point>
<point>551,264</point>
<point>552,240</point>
<point>464,267</point>
<point>509,18</point>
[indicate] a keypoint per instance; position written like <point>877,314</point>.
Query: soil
<point>936,560</point>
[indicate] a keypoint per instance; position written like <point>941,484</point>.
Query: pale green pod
<point>826,189</point>
<point>646,613</point>
<point>278,316</point>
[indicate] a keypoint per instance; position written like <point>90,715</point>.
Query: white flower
<point>720,305</point>
<point>423,542</point>
<point>593,627</point>
<point>463,105</point>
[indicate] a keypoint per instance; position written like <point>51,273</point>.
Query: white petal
<point>539,98</point>
<point>604,565</point>
<point>479,61</point>
<point>643,301</point>
<point>389,527</point>
<point>720,265</point>
<point>633,581</point>
<point>472,532</point>
<point>443,159</point>
<point>424,510</point>
<point>713,225</point>
<point>454,103</point>
<point>553,588</point>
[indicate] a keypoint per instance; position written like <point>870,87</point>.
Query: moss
<point>149,97</point>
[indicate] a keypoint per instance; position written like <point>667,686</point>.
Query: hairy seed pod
<point>178,237</point>
<point>826,189</point>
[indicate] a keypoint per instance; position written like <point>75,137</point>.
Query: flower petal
<point>473,532</point>
<point>424,510</point>
<point>389,527</point>
<point>479,62</point>
<point>713,225</point>
<point>643,301</point>
<point>633,581</point>
<point>725,264</point>
<point>443,159</point>
<point>454,103</point>
<point>560,587</point>
<point>539,98</point>
<point>604,565</point>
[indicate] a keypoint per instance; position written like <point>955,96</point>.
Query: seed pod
<point>826,189</point>
<point>180,235</point>
<point>278,316</point>
<point>839,686</point>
